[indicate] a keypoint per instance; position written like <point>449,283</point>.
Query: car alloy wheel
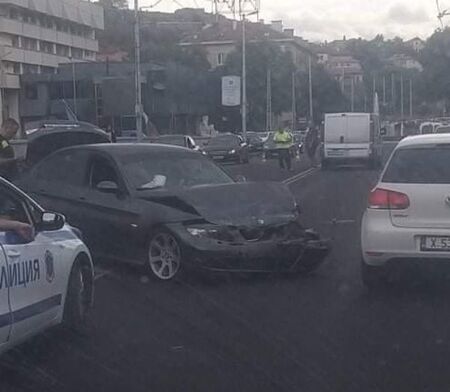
<point>164,255</point>
<point>77,300</point>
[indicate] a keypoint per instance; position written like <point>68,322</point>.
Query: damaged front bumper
<point>281,251</point>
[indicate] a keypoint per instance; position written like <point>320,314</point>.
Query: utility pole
<point>294,103</point>
<point>384,90</point>
<point>269,101</point>
<point>410,98</point>
<point>138,87</point>
<point>244,81</point>
<point>402,109</point>
<point>393,93</point>
<point>374,88</point>
<point>74,87</point>
<point>311,110</point>
<point>352,98</point>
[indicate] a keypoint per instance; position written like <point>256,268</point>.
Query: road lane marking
<point>301,175</point>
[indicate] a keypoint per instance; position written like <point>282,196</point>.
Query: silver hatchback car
<point>408,213</point>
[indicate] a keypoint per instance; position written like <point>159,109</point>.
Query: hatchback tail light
<point>384,199</point>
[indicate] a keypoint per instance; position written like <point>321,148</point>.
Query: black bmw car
<point>171,208</point>
<point>228,147</point>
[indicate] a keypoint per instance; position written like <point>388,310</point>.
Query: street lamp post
<point>74,87</point>
<point>244,75</point>
<point>138,87</point>
<point>244,81</point>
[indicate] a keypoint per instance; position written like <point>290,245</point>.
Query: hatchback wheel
<point>164,255</point>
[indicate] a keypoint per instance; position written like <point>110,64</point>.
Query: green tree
<point>261,57</point>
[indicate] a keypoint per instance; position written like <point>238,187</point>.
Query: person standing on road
<point>283,141</point>
<point>8,161</point>
<point>312,142</point>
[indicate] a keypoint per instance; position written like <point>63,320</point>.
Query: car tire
<point>373,277</point>
<point>78,298</point>
<point>164,255</point>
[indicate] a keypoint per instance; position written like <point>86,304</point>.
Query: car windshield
<point>224,141</point>
<point>422,165</point>
<point>171,170</point>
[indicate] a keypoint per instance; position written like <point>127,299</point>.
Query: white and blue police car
<point>44,280</point>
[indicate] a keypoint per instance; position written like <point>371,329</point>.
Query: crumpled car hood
<point>237,204</point>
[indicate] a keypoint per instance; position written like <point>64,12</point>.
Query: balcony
<point>31,57</point>
<point>15,27</point>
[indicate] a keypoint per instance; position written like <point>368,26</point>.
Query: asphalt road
<point>318,333</point>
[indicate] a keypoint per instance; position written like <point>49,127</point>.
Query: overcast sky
<point>332,19</point>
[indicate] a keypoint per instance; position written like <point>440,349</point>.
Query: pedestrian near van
<point>312,143</point>
<point>283,141</point>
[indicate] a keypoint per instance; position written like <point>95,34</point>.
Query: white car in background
<point>408,213</point>
<point>44,280</point>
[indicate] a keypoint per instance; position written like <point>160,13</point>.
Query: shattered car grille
<point>286,231</point>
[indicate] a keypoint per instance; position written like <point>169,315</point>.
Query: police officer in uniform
<point>283,141</point>
<point>8,161</point>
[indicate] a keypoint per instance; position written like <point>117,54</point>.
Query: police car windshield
<point>171,171</point>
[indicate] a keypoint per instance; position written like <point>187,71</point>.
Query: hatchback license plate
<point>435,244</point>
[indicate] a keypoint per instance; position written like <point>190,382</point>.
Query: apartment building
<point>38,35</point>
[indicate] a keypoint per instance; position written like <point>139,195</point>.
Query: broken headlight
<point>214,232</point>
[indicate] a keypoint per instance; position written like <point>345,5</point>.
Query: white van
<point>350,137</point>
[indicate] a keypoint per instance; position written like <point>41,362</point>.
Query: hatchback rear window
<point>422,165</point>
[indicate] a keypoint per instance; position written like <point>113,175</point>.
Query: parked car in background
<point>408,215</point>
<point>178,140</point>
<point>52,136</point>
<point>170,208</point>
<point>47,276</point>
<point>228,148</point>
<point>255,141</point>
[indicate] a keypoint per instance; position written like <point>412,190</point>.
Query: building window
<point>15,41</point>
<point>220,58</point>
<point>62,50</point>
<point>47,70</point>
<point>30,69</point>
<point>77,53</point>
<point>13,13</point>
<point>31,92</point>
<point>47,47</point>
<point>29,43</point>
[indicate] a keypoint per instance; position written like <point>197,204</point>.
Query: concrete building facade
<point>38,35</point>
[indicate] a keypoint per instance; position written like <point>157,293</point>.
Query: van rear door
<point>347,135</point>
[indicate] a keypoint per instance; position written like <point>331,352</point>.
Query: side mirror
<point>51,221</point>
<point>240,178</point>
<point>108,187</point>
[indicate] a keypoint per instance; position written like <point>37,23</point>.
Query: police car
<point>46,279</point>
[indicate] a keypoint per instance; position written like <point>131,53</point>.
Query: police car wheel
<point>77,301</point>
<point>164,255</point>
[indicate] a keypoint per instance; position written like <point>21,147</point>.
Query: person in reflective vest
<point>283,142</point>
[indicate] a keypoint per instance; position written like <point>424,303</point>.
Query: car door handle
<point>13,254</point>
<point>82,198</point>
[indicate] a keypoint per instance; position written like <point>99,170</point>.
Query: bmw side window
<point>101,170</point>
